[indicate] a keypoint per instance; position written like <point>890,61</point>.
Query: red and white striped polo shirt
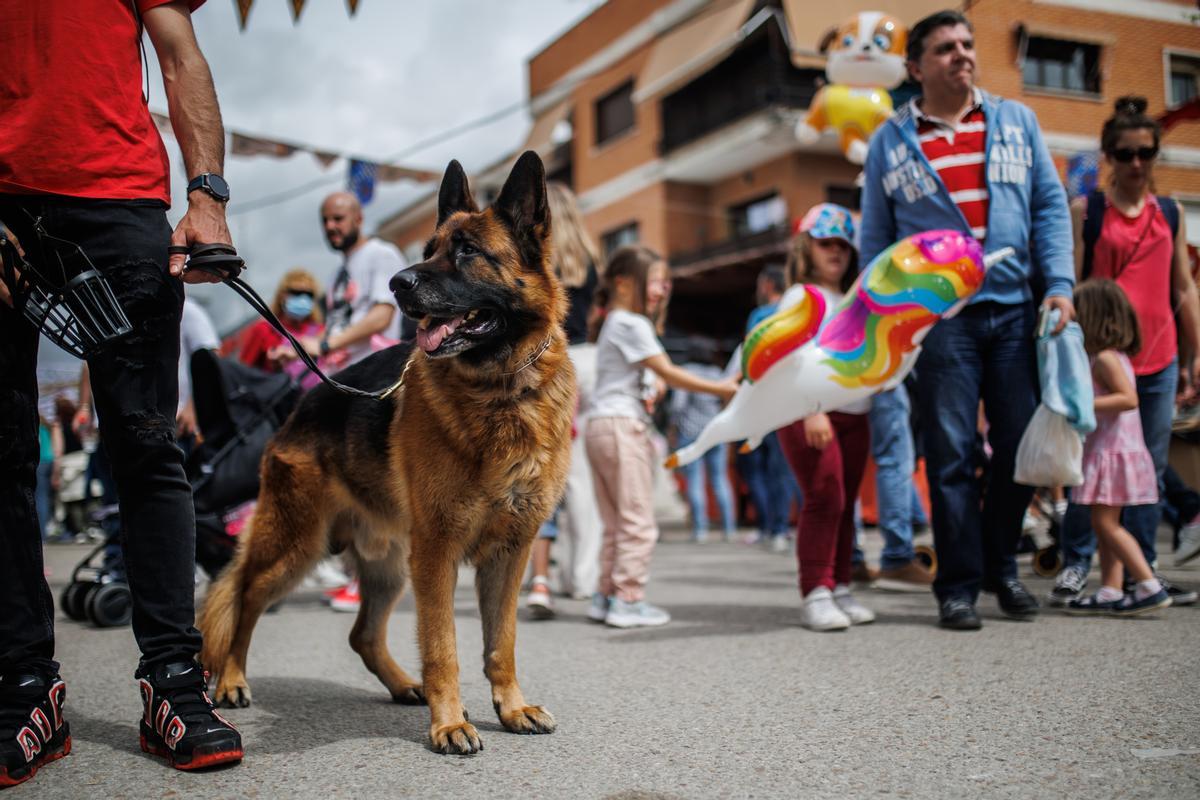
<point>956,151</point>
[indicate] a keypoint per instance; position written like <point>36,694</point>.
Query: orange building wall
<point>1133,66</point>
<point>595,32</point>
<point>594,164</point>
<point>644,207</point>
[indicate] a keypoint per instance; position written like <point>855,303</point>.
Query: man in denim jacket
<point>959,158</point>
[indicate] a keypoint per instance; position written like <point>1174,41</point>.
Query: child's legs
<point>693,473</point>
<point>718,479</point>
<point>601,453</point>
<point>854,439</point>
<point>820,475</point>
<point>1120,545</point>
<point>628,464</point>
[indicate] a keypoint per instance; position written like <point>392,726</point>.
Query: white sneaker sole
<point>614,621</point>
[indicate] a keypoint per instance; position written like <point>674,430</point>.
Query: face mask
<point>298,306</point>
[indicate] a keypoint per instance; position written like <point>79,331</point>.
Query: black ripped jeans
<point>135,391</point>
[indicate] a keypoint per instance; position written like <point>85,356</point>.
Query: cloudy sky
<point>398,72</point>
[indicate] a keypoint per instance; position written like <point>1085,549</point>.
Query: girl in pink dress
<point>1117,468</point>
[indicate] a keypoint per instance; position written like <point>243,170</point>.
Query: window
<point>758,215</point>
<point>614,239</point>
<point>1062,66</point>
<point>614,113</point>
<point>1183,79</point>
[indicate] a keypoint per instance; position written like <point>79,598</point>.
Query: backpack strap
<point>1170,211</point>
<point>1093,221</point>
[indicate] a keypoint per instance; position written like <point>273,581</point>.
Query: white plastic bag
<point>1050,453</point>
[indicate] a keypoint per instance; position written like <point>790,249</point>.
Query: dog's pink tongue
<point>428,339</point>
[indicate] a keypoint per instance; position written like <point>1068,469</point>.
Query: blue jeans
<point>712,462</point>
<point>985,353</point>
<point>1156,407</point>
<point>771,483</point>
<point>892,449</point>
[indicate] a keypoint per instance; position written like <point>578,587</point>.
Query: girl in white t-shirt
<point>635,291</point>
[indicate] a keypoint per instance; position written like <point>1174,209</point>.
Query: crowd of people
<point>1122,277</point>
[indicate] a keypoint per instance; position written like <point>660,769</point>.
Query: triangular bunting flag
<point>297,9</point>
<point>389,173</point>
<point>353,6</point>
<point>242,145</point>
<point>361,180</point>
<point>243,7</point>
<point>325,158</point>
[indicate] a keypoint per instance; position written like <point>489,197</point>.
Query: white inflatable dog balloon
<point>795,365</point>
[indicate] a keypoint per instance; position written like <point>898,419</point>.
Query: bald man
<point>359,305</point>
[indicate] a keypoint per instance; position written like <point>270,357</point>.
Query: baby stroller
<point>238,409</point>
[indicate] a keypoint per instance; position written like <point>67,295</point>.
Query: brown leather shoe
<point>913,576</point>
<point>862,572</point>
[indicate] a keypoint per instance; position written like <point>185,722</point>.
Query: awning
<point>809,20</point>
<point>692,47</point>
<point>540,138</point>
<point>1065,33</point>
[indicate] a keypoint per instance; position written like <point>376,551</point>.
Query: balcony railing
<point>757,75</point>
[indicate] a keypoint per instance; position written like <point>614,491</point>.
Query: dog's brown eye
<point>467,251</point>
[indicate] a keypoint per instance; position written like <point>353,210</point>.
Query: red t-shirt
<point>261,338</point>
<point>71,107</point>
<point>1139,252</point>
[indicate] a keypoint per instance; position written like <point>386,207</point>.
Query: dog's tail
<point>223,609</point>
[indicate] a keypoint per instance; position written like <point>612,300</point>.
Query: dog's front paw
<point>460,739</point>
<point>529,719</point>
<point>409,696</point>
<point>232,693</point>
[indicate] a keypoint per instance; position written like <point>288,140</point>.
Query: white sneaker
<point>328,575</point>
<point>538,600</point>
<point>635,615</point>
<point>598,610</point>
<point>780,543</point>
<point>821,612</point>
<point>856,612</point>
<point>1189,543</point>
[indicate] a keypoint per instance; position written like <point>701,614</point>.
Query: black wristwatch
<point>211,184</point>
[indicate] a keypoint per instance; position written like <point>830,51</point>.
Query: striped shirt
<point>956,151</point>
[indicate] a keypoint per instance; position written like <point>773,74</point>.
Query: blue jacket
<point>1027,206</point>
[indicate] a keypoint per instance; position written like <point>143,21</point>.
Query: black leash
<point>222,261</point>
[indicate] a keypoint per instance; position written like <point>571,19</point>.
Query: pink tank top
<point>1144,272</point>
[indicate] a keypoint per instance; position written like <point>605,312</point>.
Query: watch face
<point>218,185</point>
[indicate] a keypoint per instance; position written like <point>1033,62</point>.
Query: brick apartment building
<point>673,119</point>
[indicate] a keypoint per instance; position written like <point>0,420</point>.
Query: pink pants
<point>622,460</point>
<point>829,481</point>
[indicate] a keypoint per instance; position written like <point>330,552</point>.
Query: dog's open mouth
<point>447,335</point>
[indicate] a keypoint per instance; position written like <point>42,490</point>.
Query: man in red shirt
<point>81,160</point>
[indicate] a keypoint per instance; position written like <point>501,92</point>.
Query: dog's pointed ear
<point>455,194</point>
<point>522,202</point>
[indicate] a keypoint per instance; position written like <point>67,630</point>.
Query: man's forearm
<point>376,321</point>
<point>195,115</point>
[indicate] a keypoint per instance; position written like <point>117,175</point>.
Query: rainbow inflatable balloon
<point>805,359</point>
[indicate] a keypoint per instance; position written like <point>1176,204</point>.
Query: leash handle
<point>222,261</point>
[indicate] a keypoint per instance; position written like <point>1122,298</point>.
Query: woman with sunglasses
<point>1138,239</point>
<point>296,306</point>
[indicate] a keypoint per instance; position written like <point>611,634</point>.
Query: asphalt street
<point>732,699</point>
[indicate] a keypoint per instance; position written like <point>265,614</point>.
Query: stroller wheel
<point>1047,561</point>
<point>72,600</point>
<point>927,556</point>
<point>111,605</point>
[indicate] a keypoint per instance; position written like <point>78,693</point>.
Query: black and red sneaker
<point>32,729</point>
<point>179,722</point>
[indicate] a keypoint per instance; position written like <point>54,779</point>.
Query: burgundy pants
<point>829,481</point>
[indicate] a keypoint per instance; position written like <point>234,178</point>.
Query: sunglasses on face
<point>300,293</point>
<point>1126,154</point>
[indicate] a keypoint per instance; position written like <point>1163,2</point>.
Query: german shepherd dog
<point>463,463</point>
